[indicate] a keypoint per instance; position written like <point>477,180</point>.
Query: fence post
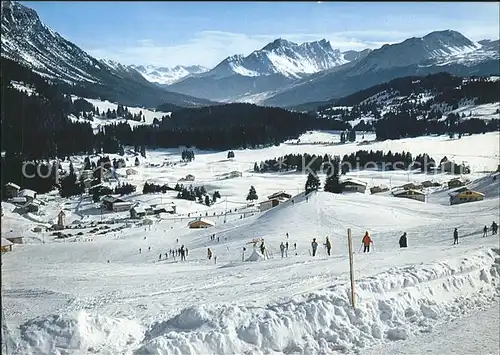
<point>351,268</point>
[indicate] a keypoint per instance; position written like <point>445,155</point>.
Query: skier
<point>140,250</point>
<point>183,253</point>
<point>328,246</point>
<point>455,236</point>
<point>286,249</point>
<point>286,235</point>
<point>366,242</point>
<point>314,246</point>
<point>494,228</point>
<point>485,231</point>
<point>159,258</point>
<point>209,254</point>
<point>262,249</point>
<point>294,246</point>
<point>166,257</point>
<point>403,241</point>
<point>282,248</point>
<point>149,248</point>
<point>186,251</point>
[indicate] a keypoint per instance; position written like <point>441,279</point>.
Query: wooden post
<point>351,268</point>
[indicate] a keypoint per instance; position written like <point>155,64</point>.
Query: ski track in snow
<point>65,298</point>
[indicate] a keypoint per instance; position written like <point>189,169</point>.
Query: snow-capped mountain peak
<point>282,57</point>
<point>163,75</point>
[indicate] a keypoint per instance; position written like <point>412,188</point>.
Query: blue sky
<point>187,33</point>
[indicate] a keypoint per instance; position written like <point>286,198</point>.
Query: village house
<point>115,204</point>
<point>29,194</point>
<point>410,186</point>
<point>137,212</point>
<point>456,182</point>
<point>429,183</point>
<point>353,185</point>
<point>11,190</point>
<point>13,237</point>
<point>280,195</point>
<point>201,223</point>
<point>464,195</point>
<point>378,189</point>
<point>189,177</point>
<point>18,200</point>
<point>265,205</point>
<point>411,194</point>
<point>6,245</point>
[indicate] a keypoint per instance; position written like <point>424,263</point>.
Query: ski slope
<point>104,297</point>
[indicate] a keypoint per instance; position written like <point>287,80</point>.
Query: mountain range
<point>282,73</point>
<point>279,64</point>
<point>168,76</point>
<point>28,41</point>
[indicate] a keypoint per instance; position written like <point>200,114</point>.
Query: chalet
<point>138,212</point>
<point>464,195</point>
<point>29,194</point>
<point>456,182</point>
<point>11,190</point>
<point>38,229</point>
<point>131,172</point>
<point>378,189</point>
<point>411,186</point>
<point>6,245</point>
<point>164,209</point>
<point>428,183</point>
<point>115,204</point>
<point>265,205</point>
<point>201,223</point>
<point>189,177</point>
<point>353,185</point>
<point>280,195</point>
<point>18,200</point>
<point>411,194</point>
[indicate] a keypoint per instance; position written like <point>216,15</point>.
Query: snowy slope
<point>162,75</point>
<point>70,299</point>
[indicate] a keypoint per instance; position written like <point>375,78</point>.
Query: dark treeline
<point>358,160</point>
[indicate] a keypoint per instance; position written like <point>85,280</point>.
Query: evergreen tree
<point>312,183</point>
<point>207,200</point>
<point>332,184</point>
<point>230,154</point>
<point>256,168</point>
<point>252,194</point>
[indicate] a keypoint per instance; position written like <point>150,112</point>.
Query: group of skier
<point>182,252</point>
<point>494,229</point>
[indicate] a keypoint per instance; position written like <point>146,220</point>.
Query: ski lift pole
<point>351,268</point>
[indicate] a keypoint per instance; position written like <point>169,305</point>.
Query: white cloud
<point>208,48</point>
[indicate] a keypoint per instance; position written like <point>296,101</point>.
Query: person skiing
<point>262,249</point>
<point>187,252</point>
<point>183,253</point>
<point>209,254</point>
<point>159,258</point>
<point>455,236</point>
<point>403,241</point>
<point>494,228</point>
<point>140,250</point>
<point>282,248</point>
<point>485,231</point>
<point>366,242</point>
<point>286,249</point>
<point>328,246</point>
<point>294,246</point>
<point>149,248</point>
<point>314,246</point>
<point>286,235</point>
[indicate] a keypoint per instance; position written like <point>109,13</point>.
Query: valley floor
<point>98,294</point>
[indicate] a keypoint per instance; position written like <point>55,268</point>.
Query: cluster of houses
<point>24,199</point>
<point>137,210</point>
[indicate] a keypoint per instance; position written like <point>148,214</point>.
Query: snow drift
<point>392,306</point>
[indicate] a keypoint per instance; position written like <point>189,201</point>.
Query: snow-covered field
<point>104,297</point>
